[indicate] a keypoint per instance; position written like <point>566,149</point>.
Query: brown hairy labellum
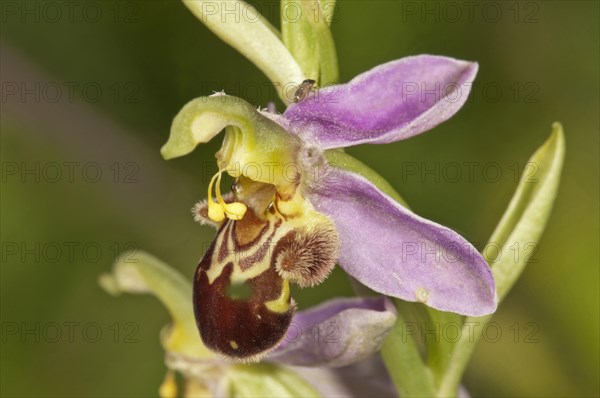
<point>243,308</point>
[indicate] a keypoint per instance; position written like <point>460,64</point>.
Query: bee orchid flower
<point>299,204</point>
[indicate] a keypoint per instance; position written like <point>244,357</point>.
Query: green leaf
<point>246,30</point>
<point>522,223</point>
<point>305,31</point>
<point>266,380</point>
<point>144,273</point>
<point>529,210</point>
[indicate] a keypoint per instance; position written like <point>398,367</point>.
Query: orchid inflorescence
<point>299,205</point>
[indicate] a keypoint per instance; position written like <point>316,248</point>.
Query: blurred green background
<point>93,90</point>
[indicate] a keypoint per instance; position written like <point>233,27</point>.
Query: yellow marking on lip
<point>282,303</point>
<point>216,267</point>
<point>168,388</point>
<point>237,275</point>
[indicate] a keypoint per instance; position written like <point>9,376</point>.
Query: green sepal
<point>328,7</point>
<point>306,33</point>
<point>253,36</point>
<point>144,273</point>
<point>265,380</point>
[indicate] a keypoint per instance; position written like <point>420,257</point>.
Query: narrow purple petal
<point>391,102</point>
<point>397,253</point>
<point>337,333</point>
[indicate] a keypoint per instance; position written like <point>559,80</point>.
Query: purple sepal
<point>398,253</point>
<point>388,103</point>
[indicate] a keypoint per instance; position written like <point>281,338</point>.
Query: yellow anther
<point>218,211</point>
<point>235,211</point>
<point>215,210</point>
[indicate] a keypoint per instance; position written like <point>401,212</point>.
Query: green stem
<point>439,348</point>
<point>463,349</point>
<point>402,358</point>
